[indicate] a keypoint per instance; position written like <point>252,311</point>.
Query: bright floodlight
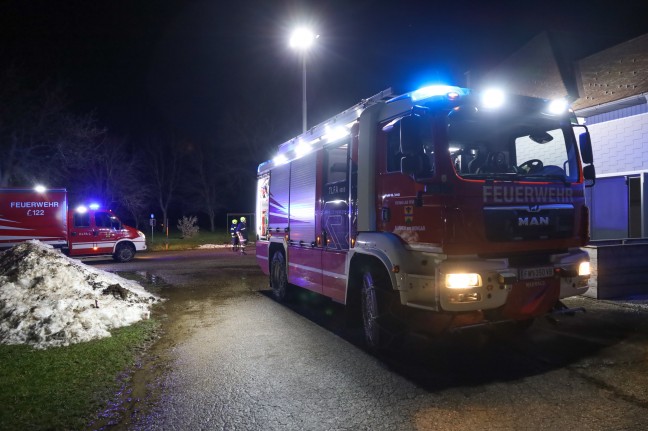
<point>493,98</point>
<point>558,106</point>
<point>302,38</point>
<point>40,189</point>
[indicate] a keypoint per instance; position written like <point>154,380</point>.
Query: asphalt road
<point>231,358</point>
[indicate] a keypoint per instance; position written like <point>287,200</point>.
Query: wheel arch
<point>122,242</point>
<point>359,262</point>
<point>276,247</point>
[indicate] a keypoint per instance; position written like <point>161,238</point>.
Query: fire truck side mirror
<point>585,143</point>
<point>590,175</point>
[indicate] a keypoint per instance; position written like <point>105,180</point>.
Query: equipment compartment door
<point>335,221</point>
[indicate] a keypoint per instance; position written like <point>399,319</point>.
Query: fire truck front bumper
<point>466,284</point>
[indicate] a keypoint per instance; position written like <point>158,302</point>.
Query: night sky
<point>139,64</point>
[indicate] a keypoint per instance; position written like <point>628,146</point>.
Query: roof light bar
<point>451,91</point>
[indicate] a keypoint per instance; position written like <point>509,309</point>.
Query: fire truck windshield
<point>511,145</point>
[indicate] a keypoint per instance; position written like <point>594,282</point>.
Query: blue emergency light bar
<point>450,91</point>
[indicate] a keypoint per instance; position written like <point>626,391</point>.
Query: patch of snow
<point>203,246</point>
<point>48,299</point>
<point>208,246</point>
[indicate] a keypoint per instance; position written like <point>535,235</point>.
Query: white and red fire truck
<point>27,214</point>
<point>443,207</point>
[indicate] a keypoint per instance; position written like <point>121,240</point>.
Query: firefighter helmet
<point>243,219</point>
<point>234,221</point>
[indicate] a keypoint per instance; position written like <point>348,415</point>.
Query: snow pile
<point>203,246</point>
<point>48,299</point>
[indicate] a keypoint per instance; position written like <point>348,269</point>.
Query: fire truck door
<point>83,235</point>
<point>106,226</point>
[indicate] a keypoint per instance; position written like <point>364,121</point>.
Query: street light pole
<point>304,92</point>
<point>302,39</point>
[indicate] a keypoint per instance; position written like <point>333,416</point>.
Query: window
<point>81,219</point>
<point>102,219</point>
<point>511,145</point>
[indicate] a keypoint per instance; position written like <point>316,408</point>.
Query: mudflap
<point>531,298</point>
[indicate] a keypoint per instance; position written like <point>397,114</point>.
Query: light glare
<point>558,106</point>
<point>493,98</point>
<point>302,38</point>
<point>462,281</point>
<point>584,269</point>
<point>435,90</point>
<point>280,159</point>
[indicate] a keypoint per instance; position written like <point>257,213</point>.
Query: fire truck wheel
<point>124,253</point>
<point>377,303</point>
<point>279,277</point>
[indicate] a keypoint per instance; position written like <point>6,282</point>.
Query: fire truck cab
<point>445,206</point>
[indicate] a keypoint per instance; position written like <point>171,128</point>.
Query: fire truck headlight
<point>584,269</point>
<point>141,234</point>
<point>462,281</point>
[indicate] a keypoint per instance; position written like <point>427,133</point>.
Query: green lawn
<point>64,387</point>
<point>174,241</point>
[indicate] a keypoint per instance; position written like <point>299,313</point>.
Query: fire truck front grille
<point>524,223</point>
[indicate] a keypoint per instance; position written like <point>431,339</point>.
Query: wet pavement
<point>231,358</point>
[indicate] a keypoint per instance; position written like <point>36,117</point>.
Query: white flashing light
<point>462,281</point>
<point>335,133</point>
<point>493,98</point>
<point>40,189</point>
<point>436,90</point>
<point>558,106</point>
<point>81,209</point>
<point>302,148</point>
<point>280,159</point>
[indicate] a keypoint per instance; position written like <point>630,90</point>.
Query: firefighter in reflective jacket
<point>242,233</point>
<point>235,241</point>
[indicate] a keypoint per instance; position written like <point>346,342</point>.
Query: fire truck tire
<point>378,303</point>
<point>279,278</point>
<point>124,253</point>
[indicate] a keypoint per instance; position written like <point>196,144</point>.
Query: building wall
<point>620,145</point>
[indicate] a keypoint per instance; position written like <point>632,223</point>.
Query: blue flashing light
<point>94,206</point>
<point>450,91</point>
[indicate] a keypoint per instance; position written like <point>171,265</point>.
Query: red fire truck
<point>27,214</point>
<point>444,207</point>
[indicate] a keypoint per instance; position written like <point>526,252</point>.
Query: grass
<point>160,242</point>
<point>64,387</point>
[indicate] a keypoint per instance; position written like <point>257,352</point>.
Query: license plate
<point>531,273</point>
